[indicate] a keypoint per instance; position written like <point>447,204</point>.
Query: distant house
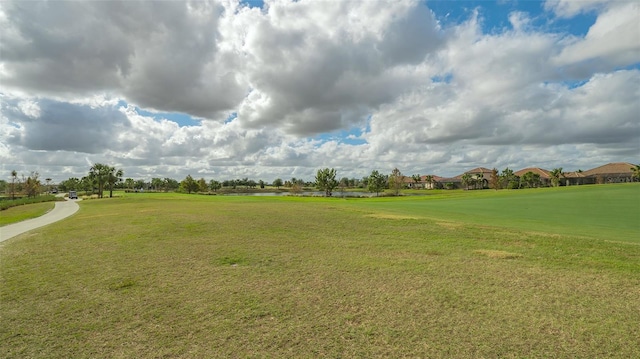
<point>545,175</point>
<point>573,178</point>
<point>618,172</point>
<point>423,183</point>
<point>456,182</point>
<point>409,182</point>
<point>435,182</point>
<point>485,174</point>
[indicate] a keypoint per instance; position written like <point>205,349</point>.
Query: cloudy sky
<point>227,89</point>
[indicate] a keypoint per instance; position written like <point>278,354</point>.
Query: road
<point>60,211</point>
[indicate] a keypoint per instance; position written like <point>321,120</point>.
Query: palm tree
<point>113,176</point>
<point>479,180</point>
<point>14,177</point>
<point>636,173</point>
<point>129,183</point>
<point>507,176</point>
<point>99,174</point>
<point>416,180</point>
<point>429,180</point>
<point>494,180</point>
<point>555,176</point>
<point>466,180</point>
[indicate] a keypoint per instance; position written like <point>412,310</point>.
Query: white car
<point>73,195</point>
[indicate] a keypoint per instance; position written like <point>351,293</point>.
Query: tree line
<point>23,186</point>
<point>102,177</point>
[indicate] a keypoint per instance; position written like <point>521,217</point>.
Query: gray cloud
<point>323,73</point>
<point>61,126</point>
<point>160,55</point>
<point>276,86</point>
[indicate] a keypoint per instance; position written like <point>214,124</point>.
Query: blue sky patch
<point>181,119</point>
<point>495,15</point>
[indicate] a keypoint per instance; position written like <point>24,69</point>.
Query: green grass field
<point>537,274</point>
<point>24,212</point>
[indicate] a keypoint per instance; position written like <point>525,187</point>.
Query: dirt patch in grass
<point>492,253</point>
<point>450,225</point>
<point>390,216</point>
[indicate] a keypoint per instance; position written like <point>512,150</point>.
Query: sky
<point>279,89</point>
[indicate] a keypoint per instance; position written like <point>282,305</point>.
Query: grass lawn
<point>24,212</point>
<point>179,276</point>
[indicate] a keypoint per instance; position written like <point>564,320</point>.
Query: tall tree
<point>396,181</point>
<point>99,174</point>
<point>416,179</point>
<point>555,176</point>
<point>214,185</point>
<point>429,179</point>
<point>86,184</point>
<point>141,184</point>
<point>70,184</point>
<point>531,179</point>
<point>202,185</point>
<point>14,177</point>
<point>113,176</point>
<point>171,184</point>
<point>467,179</point>
<point>129,183</point>
<point>326,180</point>
<point>376,182</point>
<point>494,180</point>
<point>479,180</point>
<point>32,185</point>
<point>508,179</point>
<point>364,182</point>
<point>189,184</point>
<point>277,183</point>
<point>157,183</point>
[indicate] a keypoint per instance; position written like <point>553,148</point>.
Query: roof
<point>485,172</point>
<point>542,172</point>
<point>423,179</point>
<point>610,168</point>
<point>479,170</point>
<point>573,174</point>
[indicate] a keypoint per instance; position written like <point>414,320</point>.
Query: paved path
<point>60,211</point>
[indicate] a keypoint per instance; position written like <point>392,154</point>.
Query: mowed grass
<point>178,276</point>
<point>24,212</point>
<point>604,212</point>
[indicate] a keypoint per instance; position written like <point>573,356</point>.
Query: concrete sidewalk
<point>60,211</point>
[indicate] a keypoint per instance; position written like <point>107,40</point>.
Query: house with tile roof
<point>617,172</point>
<point>482,172</point>
<point>545,175</point>
<point>423,183</point>
<point>573,178</point>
